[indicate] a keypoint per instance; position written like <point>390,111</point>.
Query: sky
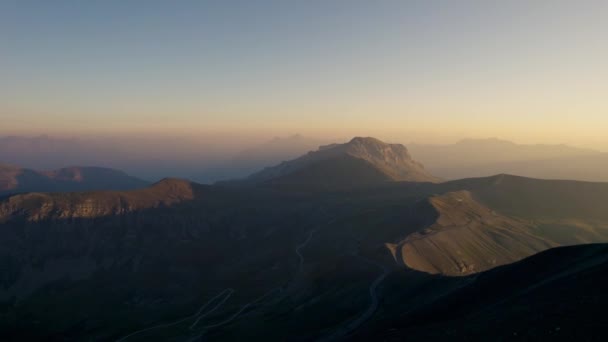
<point>425,71</point>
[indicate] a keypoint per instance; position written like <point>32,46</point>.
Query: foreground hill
<point>468,237</point>
<point>555,295</point>
<point>183,261</point>
<point>360,161</point>
<point>17,180</point>
<point>485,222</point>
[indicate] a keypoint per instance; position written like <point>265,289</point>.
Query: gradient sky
<point>530,71</point>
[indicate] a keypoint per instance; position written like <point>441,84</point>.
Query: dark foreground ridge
<point>558,294</point>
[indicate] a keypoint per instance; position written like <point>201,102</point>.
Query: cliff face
<point>77,205</point>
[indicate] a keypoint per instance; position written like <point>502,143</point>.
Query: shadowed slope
<point>130,261</point>
<point>558,294</point>
<point>344,170</point>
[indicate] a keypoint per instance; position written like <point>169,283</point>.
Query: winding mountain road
<point>218,305</point>
<point>181,320</point>
<point>305,243</point>
<point>302,245</point>
<point>235,315</point>
<point>227,293</point>
<point>298,251</point>
<point>373,296</point>
<point>243,308</point>
<point>367,314</point>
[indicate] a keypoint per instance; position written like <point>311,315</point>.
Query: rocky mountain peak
<point>372,149</point>
<point>391,162</point>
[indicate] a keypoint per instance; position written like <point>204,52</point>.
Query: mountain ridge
<point>484,157</point>
<point>38,206</point>
<point>14,179</point>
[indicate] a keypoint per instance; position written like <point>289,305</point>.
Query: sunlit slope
<point>502,219</point>
<point>469,237</point>
<point>74,205</point>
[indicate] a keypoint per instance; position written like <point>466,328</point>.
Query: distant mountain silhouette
<point>256,158</point>
<point>591,167</point>
<point>360,161</point>
<point>45,152</point>
<point>14,179</point>
<point>278,147</point>
<point>486,157</point>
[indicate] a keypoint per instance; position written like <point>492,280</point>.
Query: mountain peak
<point>371,148</point>
<point>361,156</point>
<point>367,141</point>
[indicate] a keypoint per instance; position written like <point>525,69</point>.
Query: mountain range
<point>353,241</point>
<point>46,152</point>
<point>15,179</point>
<point>256,158</point>
<point>486,157</point>
<point>360,161</point>
<point>153,158</point>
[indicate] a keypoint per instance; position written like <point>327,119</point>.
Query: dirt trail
<point>368,313</point>
<point>302,245</point>
<point>181,320</point>
<point>217,306</point>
